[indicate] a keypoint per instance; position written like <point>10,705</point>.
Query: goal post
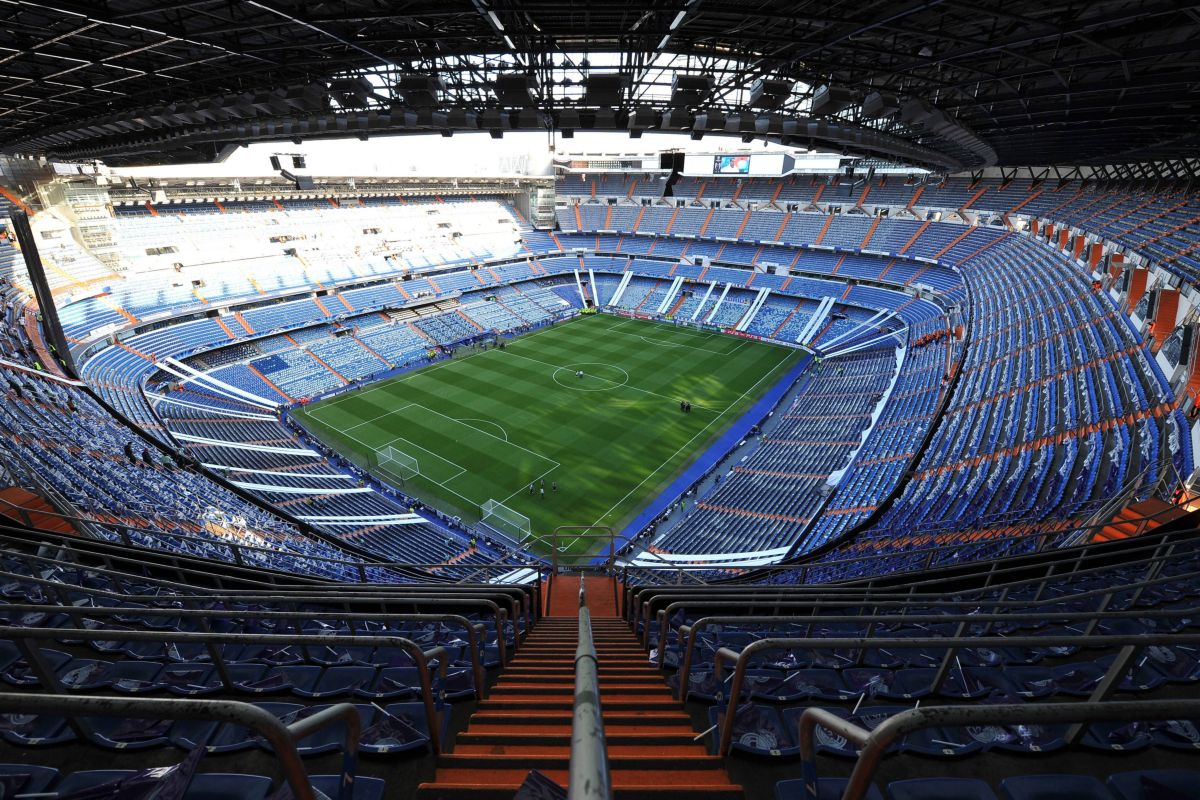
<point>398,463</point>
<point>504,521</point>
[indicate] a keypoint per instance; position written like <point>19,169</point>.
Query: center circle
<point>597,377</point>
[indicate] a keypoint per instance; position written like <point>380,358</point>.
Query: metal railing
<point>874,743</point>
<point>691,633</point>
<point>589,777</point>
<point>27,639</point>
<point>518,600</point>
<point>474,631</point>
<point>703,574</point>
<point>416,600</point>
<point>641,601</point>
<point>906,605</point>
<point>1130,648</point>
<point>282,738</point>
<point>287,607</point>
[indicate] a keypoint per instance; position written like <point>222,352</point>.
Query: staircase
<point>28,508</point>
<point>525,724</point>
<point>1139,518</point>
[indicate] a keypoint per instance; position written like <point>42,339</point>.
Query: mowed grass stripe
<point>615,447</point>
<point>711,380</point>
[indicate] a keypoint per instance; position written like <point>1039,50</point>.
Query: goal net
<point>397,463</point>
<point>501,519</point>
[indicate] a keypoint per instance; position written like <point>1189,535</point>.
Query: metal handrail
<point>1108,509</point>
<point>26,638</point>
<point>690,633</point>
<point>475,631</point>
<point>373,593</point>
<point>176,605</point>
<point>1072,559</point>
<point>499,615</point>
<point>904,602</point>
<point>589,777</point>
<point>695,570</point>
<point>874,743</point>
<point>283,738</point>
<point>632,591</point>
<point>1130,645</point>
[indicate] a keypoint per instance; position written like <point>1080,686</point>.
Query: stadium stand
<point>945,548</point>
<point>299,348</point>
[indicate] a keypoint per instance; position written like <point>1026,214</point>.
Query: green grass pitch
<point>487,423</point>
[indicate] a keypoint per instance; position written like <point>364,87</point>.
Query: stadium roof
<point>950,85</point>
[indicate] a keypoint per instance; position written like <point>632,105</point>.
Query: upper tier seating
<point>264,352</point>
<point>242,251</point>
<point>609,184</point>
<point>1114,386</point>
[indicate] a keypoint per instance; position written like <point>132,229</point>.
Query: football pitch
<point>487,424</point>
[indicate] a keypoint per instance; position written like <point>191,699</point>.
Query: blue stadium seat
<point>30,730</point>
<point>79,781</point>
<point>759,730</point>
<point>1155,784</point>
<point>1054,787</point>
<point>940,789</point>
<point>226,786</point>
<point>27,779</point>
<point>827,789</point>
<point>364,788</point>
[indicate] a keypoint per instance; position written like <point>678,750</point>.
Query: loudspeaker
<point>604,90</point>
<point>1151,304</point>
<point>878,104</point>
<point>1188,339</point>
<point>298,162</point>
<point>828,100</point>
<point>767,93</point>
<point>689,90</point>
<point>514,90</point>
<point>275,165</point>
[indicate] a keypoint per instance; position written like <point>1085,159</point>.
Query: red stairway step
<point>674,771</point>
<point>621,687</point>
<point>514,775</point>
<point>526,723</point>
<point>649,738</point>
<point>452,791</point>
<point>529,651</point>
<point>499,725</point>
<point>516,717</point>
<point>569,648</point>
<point>696,762</point>
<point>518,749</point>
<point>558,687</point>
<point>610,702</point>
